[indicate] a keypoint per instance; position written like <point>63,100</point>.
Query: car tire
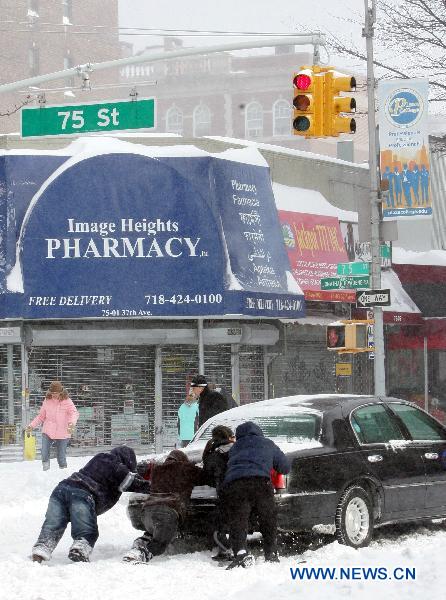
<point>354,518</point>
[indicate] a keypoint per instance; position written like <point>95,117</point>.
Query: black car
<point>358,462</point>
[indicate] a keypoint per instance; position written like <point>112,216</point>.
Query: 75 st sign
<point>85,118</point>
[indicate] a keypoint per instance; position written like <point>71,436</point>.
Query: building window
<point>202,120</point>
<point>174,121</point>
<point>67,10</point>
<point>281,118</point>
<point>254,120</point>
<point>33,59</point>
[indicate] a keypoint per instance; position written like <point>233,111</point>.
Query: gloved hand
<point>28,429</point>
<point>70,428</point>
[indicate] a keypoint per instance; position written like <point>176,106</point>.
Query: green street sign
<point>345,283</point>
<point>354,268</point>
<point>84,118</point>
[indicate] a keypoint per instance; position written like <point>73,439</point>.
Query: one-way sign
<point>372,298</point>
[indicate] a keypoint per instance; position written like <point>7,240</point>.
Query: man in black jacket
<point>210,403</point>
<point>215,461</point>
<point>83,496</point>
<point>247,487</point>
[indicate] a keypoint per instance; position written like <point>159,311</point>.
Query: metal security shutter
<point>112,387</point>
<point>252,385</point>
<point>10,428</point>
<point>363,374</point>
<point>179,365</point>
<point>303,364</point>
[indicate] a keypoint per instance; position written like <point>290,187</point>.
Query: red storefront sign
<point>315,247</point>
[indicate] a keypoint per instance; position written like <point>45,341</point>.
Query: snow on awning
<point>111,229</point>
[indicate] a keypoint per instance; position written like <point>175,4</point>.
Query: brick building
<point>45,36</point>
<point>245,97</point>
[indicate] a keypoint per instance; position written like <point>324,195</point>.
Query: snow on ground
<point>25,489</point>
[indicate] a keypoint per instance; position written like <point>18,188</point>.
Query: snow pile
<point>193,575</point>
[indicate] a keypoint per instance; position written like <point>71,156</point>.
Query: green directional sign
<point>353,268</point>
<point>345,283</point>
<point>84,118</point>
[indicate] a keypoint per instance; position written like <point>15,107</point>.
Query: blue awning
<point>121,233</point>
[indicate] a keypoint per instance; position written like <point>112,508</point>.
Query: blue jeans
<point>68,503</point>
<point>61,447</point>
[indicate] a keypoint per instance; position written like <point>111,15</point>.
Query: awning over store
<point>110,229</point>
<point>413,338</point>
<point>402,309</point>
<point>426,284</point>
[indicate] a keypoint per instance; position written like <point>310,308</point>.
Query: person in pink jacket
<point>58,416</point>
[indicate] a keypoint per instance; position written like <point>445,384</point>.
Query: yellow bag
<point>29,448</point>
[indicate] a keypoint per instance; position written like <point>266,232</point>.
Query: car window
<point>374,425</point>
<point>288,428</point>
<point>419,424</point>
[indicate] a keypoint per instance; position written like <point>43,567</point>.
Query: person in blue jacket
<point>247,487</point>
<point>187,416</point>
<point>83,496</point>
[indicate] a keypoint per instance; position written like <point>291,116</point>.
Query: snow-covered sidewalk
<point>25,489</point>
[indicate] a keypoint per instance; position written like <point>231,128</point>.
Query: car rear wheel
<point>354,518</point>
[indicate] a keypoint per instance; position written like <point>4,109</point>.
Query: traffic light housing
<point>308,102</point>
<point>336,119</point>
<point>347,337</point>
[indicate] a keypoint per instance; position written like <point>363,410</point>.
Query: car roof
<point>316,403</point>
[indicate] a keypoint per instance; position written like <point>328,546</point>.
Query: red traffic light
<point>302,81</point>
<point>301,123</point>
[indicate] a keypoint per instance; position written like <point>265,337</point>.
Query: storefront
<point>125,273</point>
<point>417,351</point>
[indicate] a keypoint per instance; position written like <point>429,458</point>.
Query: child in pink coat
<point>58,416</point>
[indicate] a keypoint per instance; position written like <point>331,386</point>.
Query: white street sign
<point>366,298</point>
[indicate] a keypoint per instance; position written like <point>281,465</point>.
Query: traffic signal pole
<point>375,241</point>
<point>312,39</point>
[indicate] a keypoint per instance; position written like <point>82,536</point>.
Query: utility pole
<point>375,201</point>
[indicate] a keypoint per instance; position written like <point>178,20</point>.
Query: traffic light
<point>308,102</point>
<point>335,117</point>
<point>349,336</point>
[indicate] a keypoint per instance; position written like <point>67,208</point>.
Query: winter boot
<point>40,553</point>
<point>137,555</point>
<point>46,465</point>
<point>242,559</point>
<point>80,551</point>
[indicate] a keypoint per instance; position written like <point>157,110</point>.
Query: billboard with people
<point>404,147</point>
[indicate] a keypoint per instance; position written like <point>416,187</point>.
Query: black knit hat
<point>198,381</point>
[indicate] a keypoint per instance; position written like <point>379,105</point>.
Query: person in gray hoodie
<point>247,488</point>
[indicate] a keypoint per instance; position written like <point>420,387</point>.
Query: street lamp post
<point>375,201</point>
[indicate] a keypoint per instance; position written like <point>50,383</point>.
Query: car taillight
<point>278,480</point>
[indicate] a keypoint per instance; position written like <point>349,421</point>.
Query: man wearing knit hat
<point>210,403</point>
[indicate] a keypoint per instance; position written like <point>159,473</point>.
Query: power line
<point>143,30</point>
